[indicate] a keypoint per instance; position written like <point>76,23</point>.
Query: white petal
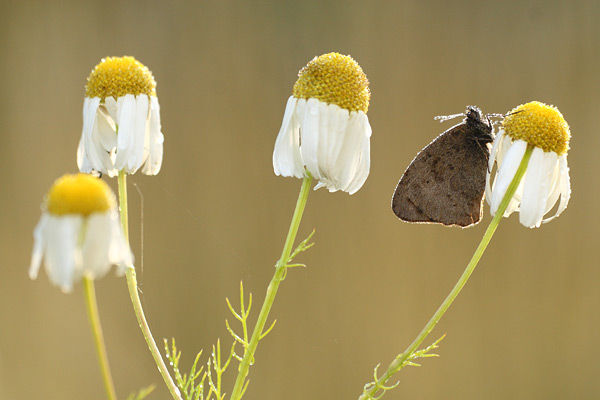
<point>126,109</point>
<point>90,106</point>
<point>565,187</point>
<point>111,107</point>
<point>119,252</point>
<point>505,174</point>
<point>104,245</point>
<point>62,256</point>
<point>332,130</point>
<point>90,109</point>
<point>488,186</point>
<point>503,147</point>
<point>82,161</point>
<point>537,185</point>
<point>364,165</point>
<point>338,124</point>
<point>515,202</point>
<point>491,160</point>
<point>155,138</point>
<point>325,137</point>
<point>104,140</point>
<point>494,151</point>
<point>287,160</point>
<point>554,193</point>
<point>39,245</point>
<point>141,125</point>
<point>565,183</point>
<point>347,160</point>
<point>309,136</point>
<point>95,246</point>
<point>96,138</point>
<point>333,126</point>
<point>106,130</point>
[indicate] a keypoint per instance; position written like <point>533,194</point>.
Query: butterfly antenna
<point>444,118</point>
<point>495,119</point>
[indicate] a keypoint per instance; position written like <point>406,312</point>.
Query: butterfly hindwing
<point>446,180</point>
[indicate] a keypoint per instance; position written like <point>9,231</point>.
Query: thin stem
<point>135,298</point>
<point>123,204</point>
<point>280,269</point>
<point>401,359</point>
<point>92,311</point>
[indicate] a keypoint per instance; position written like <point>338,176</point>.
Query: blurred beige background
<point>526,325</point>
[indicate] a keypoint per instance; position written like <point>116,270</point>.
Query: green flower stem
<point>123,204</point>
<point>135,298</point>
<point>92,311</point>
<point>280,269</point>
<point>399,362</point>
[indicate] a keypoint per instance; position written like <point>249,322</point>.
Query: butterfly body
<point>446,180</point>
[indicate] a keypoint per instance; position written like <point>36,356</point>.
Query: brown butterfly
<point>445,182</point>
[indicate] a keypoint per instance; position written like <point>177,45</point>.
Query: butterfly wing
<point>446,180</point>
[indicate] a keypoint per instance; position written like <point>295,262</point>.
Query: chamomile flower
<point>546,178</point>
<point>121,120</point>
<point>325,128</point>
<point>79,233</point>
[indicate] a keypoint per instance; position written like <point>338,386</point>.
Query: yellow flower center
<point>334,79</point>
<point>118,76</point>
<point>540,125</point>
<point>79,194</point>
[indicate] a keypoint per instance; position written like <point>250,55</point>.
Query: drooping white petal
<point>126,108</point>
<point>83,163</point>
<point>515,201</point>
<point>155,139</point>
<point>106,130</point>
<point>333,124</point>
<point>141,122</point>
<point>119,252</point>
<point>62,256</point>
<point>95,245</point>
<point>92,153</point>
<point>364,155</point>
<point>503,148</point>
<point>497,141</point>
<point>338,124</point>
<point>98,138</point>
<point>335,136</point>
<point>309,136</point>
<point>325,137</point>
<point>537,186</point>
<point>350,153</point>
<point>564,183</point>
<point>287,160</point>
<point>554,188</point>
<point>39,246</point>
<point>110,103</point>
<point>103,141</point>
<point>505,173</point>
<point>491,160</point>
